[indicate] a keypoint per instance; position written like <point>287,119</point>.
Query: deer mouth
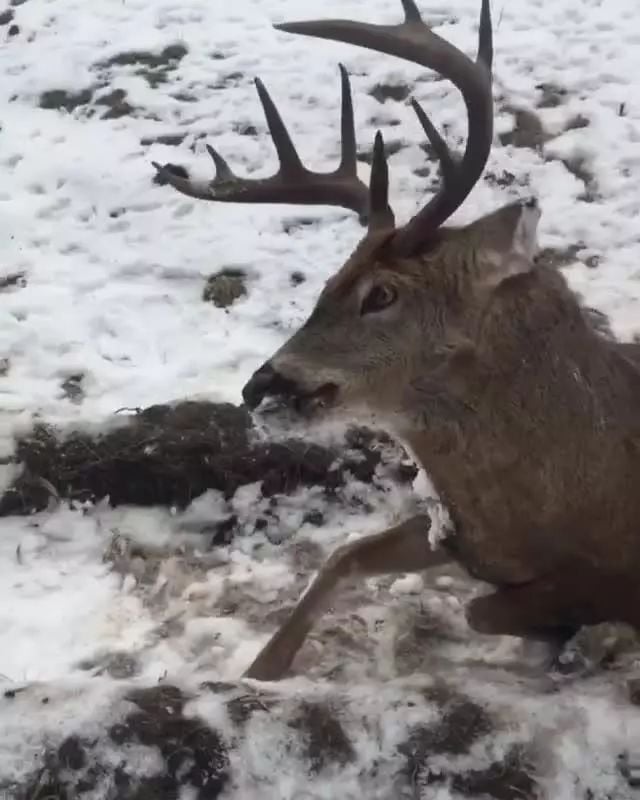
<point>310,403</point>
<point>301,403</point>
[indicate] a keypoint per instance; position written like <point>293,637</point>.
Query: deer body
<point>538,457</point>
<point>525,415</point>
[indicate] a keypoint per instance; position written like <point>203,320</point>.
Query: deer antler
<point>294,183</point>
<point>414,41</point>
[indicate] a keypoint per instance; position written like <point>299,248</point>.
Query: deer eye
<point>379,297</point>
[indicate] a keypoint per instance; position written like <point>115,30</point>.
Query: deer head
<point>407,294</point>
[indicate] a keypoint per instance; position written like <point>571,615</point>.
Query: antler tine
<point>411,12</point>
<point>223,170</point>
<point>293,183</point>
<point>380,214</point>
<point>485,36</point>
<point>290,163</point>
<point>414,41</point>
<point>348,160</point>
<point>447,162</point>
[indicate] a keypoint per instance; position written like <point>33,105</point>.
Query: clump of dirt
<point>290,224</point>
<point>73,389</point>
<point>194,757</point>
<point>390,91</point>
<point>153,67</point>
<point>527,130</point>
<point>503,179</point>
<point>559,257</point>
<point>225,287</point>
<point>170,454</point>
<point>556,258</point>
<point>511,777</point>
<point>578,166</point>
<point>230,79</point>
<point>117,104</point>
<point>169,139</point>
<point>325,740</point>
<point>13,280</point>
<point>62,100</point>
<point>551,95</point>
<point>577,122</point>
<point>463,723</point>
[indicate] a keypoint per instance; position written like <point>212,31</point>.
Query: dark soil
<point>527,131</point>
<point>169,455</point>
<point>388,91</point>
<point>225,287</point>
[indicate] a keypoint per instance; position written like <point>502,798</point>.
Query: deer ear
<point>508,241</point>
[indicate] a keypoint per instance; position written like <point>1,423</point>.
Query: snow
<point>114,268</point>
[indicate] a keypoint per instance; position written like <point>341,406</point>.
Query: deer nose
<point>264,382</point>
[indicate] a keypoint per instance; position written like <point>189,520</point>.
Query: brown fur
<point>525,416</point>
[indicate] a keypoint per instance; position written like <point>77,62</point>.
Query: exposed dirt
<point>193,755</point>
<point>225,287</point>
<point>388,91</point>
<point>168,455</point>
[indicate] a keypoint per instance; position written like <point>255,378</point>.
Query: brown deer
<point>524,414</point>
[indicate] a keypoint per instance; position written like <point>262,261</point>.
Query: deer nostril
<point>257,387</point>
<point>264,382</point>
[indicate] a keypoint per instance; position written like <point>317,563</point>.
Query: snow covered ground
<point>102,275</point>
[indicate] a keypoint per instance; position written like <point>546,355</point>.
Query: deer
<point>478,357</point>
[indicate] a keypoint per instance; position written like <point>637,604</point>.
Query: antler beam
<point>293,183</point>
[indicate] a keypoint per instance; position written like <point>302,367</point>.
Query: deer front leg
<point>403,548</point>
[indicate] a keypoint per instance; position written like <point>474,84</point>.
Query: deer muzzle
<point>267,383</point>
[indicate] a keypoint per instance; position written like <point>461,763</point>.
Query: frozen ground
<point>102,275</point>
